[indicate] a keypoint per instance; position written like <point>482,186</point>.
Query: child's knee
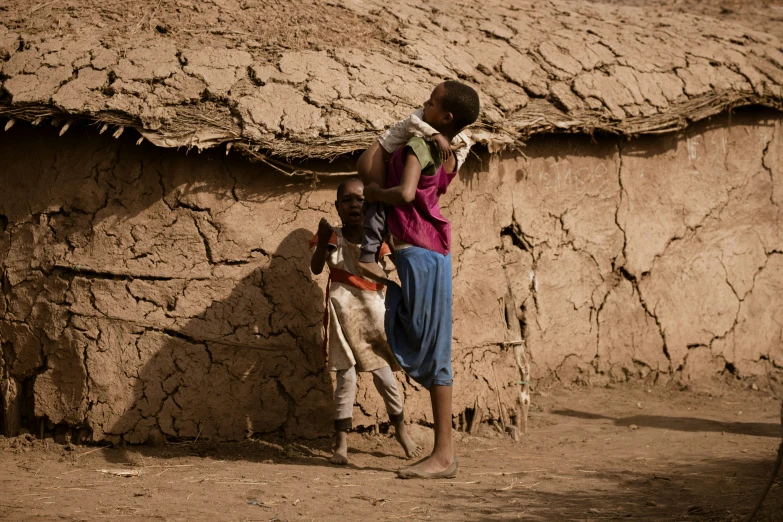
<point>384,379</point>
<point>346,379</point>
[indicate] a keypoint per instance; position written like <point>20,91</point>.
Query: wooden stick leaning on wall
<point>522,362</point>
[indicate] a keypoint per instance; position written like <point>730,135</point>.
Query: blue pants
<point>418,315</point>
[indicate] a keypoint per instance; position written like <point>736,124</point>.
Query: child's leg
<point>372,238</point>
<point>419,330</point>
<point>443,452</point>
<point>442,463</point>
<point>344,396</point>
<point>386,384</point>
<point>372,169</point>
<point>372,165</point>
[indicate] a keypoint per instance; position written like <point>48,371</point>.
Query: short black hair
<point>341,186</point>
<point>462,102</point>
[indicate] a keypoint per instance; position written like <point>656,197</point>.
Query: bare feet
<point>412,450</point>
<point>373,272</point>
<point>340,456</point>
<point>431,468</point>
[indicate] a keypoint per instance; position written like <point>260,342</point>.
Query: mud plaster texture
<point>322,78</point>
<point>148,292</point>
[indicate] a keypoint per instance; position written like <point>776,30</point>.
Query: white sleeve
<point>398,134</point>
<point>462,154</point>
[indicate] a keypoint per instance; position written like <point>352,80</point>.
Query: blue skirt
<point>418,315</point>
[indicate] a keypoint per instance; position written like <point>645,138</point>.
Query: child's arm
<point>398,134</point>
<point>318,260</point>
<point>405,192</point>
<point>462,151</point>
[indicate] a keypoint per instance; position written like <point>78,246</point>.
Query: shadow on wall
<point>215,377</point>
<point>151,292</point>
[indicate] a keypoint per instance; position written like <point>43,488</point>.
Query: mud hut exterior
<point>164,169</point>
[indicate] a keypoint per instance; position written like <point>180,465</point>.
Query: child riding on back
<point>419,310</point>
<point>372,169</point>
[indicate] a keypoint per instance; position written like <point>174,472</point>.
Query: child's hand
<point>443,146</point>
<point>325,232</point>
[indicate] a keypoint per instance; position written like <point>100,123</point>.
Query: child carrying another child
<point>419,310</point>
<point>354,313</point>
<point>372,169</point>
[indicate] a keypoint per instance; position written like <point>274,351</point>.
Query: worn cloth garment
<point>419,310</point>
<point>355,335</point>
<point>421,223</point>
<point>418,315</point>
<point>345,395</point>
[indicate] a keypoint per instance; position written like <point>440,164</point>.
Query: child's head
<point>350,197</point>
<point>451,107</point>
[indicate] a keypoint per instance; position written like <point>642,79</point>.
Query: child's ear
<point>448,118</point>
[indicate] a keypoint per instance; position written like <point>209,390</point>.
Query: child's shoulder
<point>420,146</point>
<point>423,149</point>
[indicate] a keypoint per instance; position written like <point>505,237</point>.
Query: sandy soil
<point>600,454</point>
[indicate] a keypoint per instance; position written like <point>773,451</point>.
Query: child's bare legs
<point>386,384</point>
<point>344,395</point>
<point>442,455</point>
<point>372,169</point>
<point>412,450</point>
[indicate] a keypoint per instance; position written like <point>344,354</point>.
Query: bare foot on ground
<point>340,456</point>
<point>412,450</point>
<point>434,466</point>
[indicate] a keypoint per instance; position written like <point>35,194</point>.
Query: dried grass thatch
<point>318,79</point>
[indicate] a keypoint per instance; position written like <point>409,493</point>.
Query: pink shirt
<point>420,223</point>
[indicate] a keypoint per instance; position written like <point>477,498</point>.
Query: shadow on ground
<point>265,449</point>
<point>691,424</point>
<point>723,490</point>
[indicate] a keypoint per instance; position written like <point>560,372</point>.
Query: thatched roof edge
<point>540,68</point>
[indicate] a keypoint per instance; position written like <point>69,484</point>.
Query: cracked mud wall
<point>652,258</point>
<point>150,291</point>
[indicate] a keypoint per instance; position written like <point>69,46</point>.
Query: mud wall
<point>150,291</point>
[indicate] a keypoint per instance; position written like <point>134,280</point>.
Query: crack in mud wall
<point>149,292</point>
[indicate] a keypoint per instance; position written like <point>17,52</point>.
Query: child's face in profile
<point>434,113</point>
<point>349,203</point>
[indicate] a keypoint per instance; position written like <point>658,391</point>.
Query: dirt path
<point>601,454</point>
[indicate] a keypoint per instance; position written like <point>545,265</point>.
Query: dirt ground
<point>591,454</point>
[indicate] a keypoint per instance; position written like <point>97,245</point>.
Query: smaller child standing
<point>354,313</point>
